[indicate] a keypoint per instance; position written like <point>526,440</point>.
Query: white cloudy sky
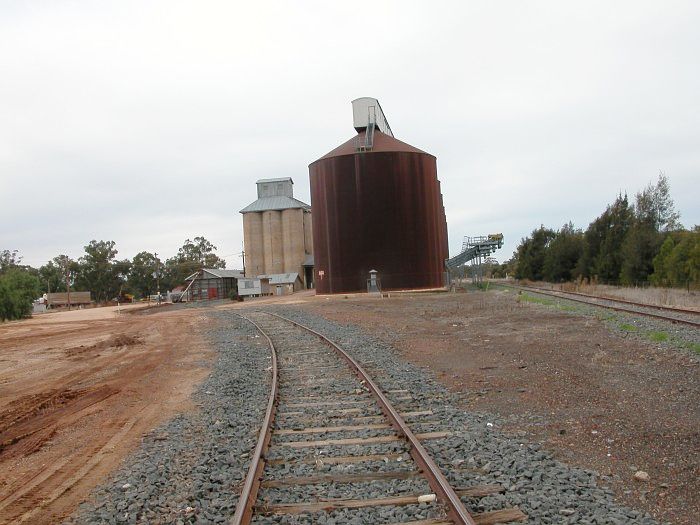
<point>148,122</point>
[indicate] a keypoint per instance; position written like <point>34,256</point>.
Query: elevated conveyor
<point>475,248</point>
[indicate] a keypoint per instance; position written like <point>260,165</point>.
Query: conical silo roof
<point>381,143</point>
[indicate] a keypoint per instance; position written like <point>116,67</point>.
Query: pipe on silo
<point>272,241</point>
<point>308,233</point>
<point>293,240</point>
<point>254,244</point>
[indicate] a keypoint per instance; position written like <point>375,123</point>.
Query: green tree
<point>592,240</point>
<point>120,275</point>
<point>608,261</point>
<point>202,251</point>
<point>53,275</point>
<point>530,254</point>
<point>142,277</point>
<point>661,276</point>
<point>638,251</point>
<point>99,273</point>
<point>678,260</point>
<point>693,262</point>
<point>9,259</point>
<point>191,257</point>
<point>505,269</point>
<point>562,254</point>
<point>602,243</point>
<point>655,207</point>
<point>18,288</point>
<point>51,278</point>
<point>654,214</point>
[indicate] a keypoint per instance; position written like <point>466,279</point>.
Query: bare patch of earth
<point>78,390</point>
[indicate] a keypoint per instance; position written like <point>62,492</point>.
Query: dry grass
<point>650,295</point>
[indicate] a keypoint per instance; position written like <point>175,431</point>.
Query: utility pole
<point>157,276</point>
<point>68,285</point>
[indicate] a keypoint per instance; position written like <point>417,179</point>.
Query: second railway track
<point>673,315</point>
<point>334,448</point>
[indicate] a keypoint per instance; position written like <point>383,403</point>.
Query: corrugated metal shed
<point>236,274</point>
<point>275,203</point>
<point>215,272</point>
<point>281,278</point>
<point>212,283</point>
<point>249,286</point>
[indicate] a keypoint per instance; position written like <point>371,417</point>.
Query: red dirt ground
<point>78,390</point>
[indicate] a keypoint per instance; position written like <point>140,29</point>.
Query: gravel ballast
<point>545,489</point>
<point>190,470</point>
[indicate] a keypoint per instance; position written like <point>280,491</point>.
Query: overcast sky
<point>149,122</point>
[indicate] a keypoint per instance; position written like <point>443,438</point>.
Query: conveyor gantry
<point>474,247</point>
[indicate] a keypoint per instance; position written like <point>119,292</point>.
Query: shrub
<point>18,289</point>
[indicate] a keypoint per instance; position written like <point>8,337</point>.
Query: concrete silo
<point>377,205</point>
<point>277,232</point>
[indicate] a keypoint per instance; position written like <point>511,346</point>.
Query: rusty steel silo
<point>376,205</point>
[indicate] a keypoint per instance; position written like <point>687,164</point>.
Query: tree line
<point>630,243</point>
<point>100,272</point>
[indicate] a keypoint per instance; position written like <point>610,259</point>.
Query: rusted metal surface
<point>249,493</point>
<point>439,484</point>
<point>382,210</point>
<point>562,295</point>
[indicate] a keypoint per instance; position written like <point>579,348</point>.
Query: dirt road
<point>78,390</point>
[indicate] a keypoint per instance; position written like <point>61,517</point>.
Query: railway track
<point>673,315</point>
<point>334,448</point>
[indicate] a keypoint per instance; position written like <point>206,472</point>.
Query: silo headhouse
<point>376,205</point>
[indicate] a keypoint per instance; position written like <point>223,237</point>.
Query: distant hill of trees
<point>629,244</point>
<point>100,272</point>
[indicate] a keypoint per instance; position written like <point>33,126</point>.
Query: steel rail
<point>623,301</point>
<point>559,295</point>
<point>443,490</point>
<point>249,493</point>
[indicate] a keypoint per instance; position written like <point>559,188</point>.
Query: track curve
<point>311,358</point>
